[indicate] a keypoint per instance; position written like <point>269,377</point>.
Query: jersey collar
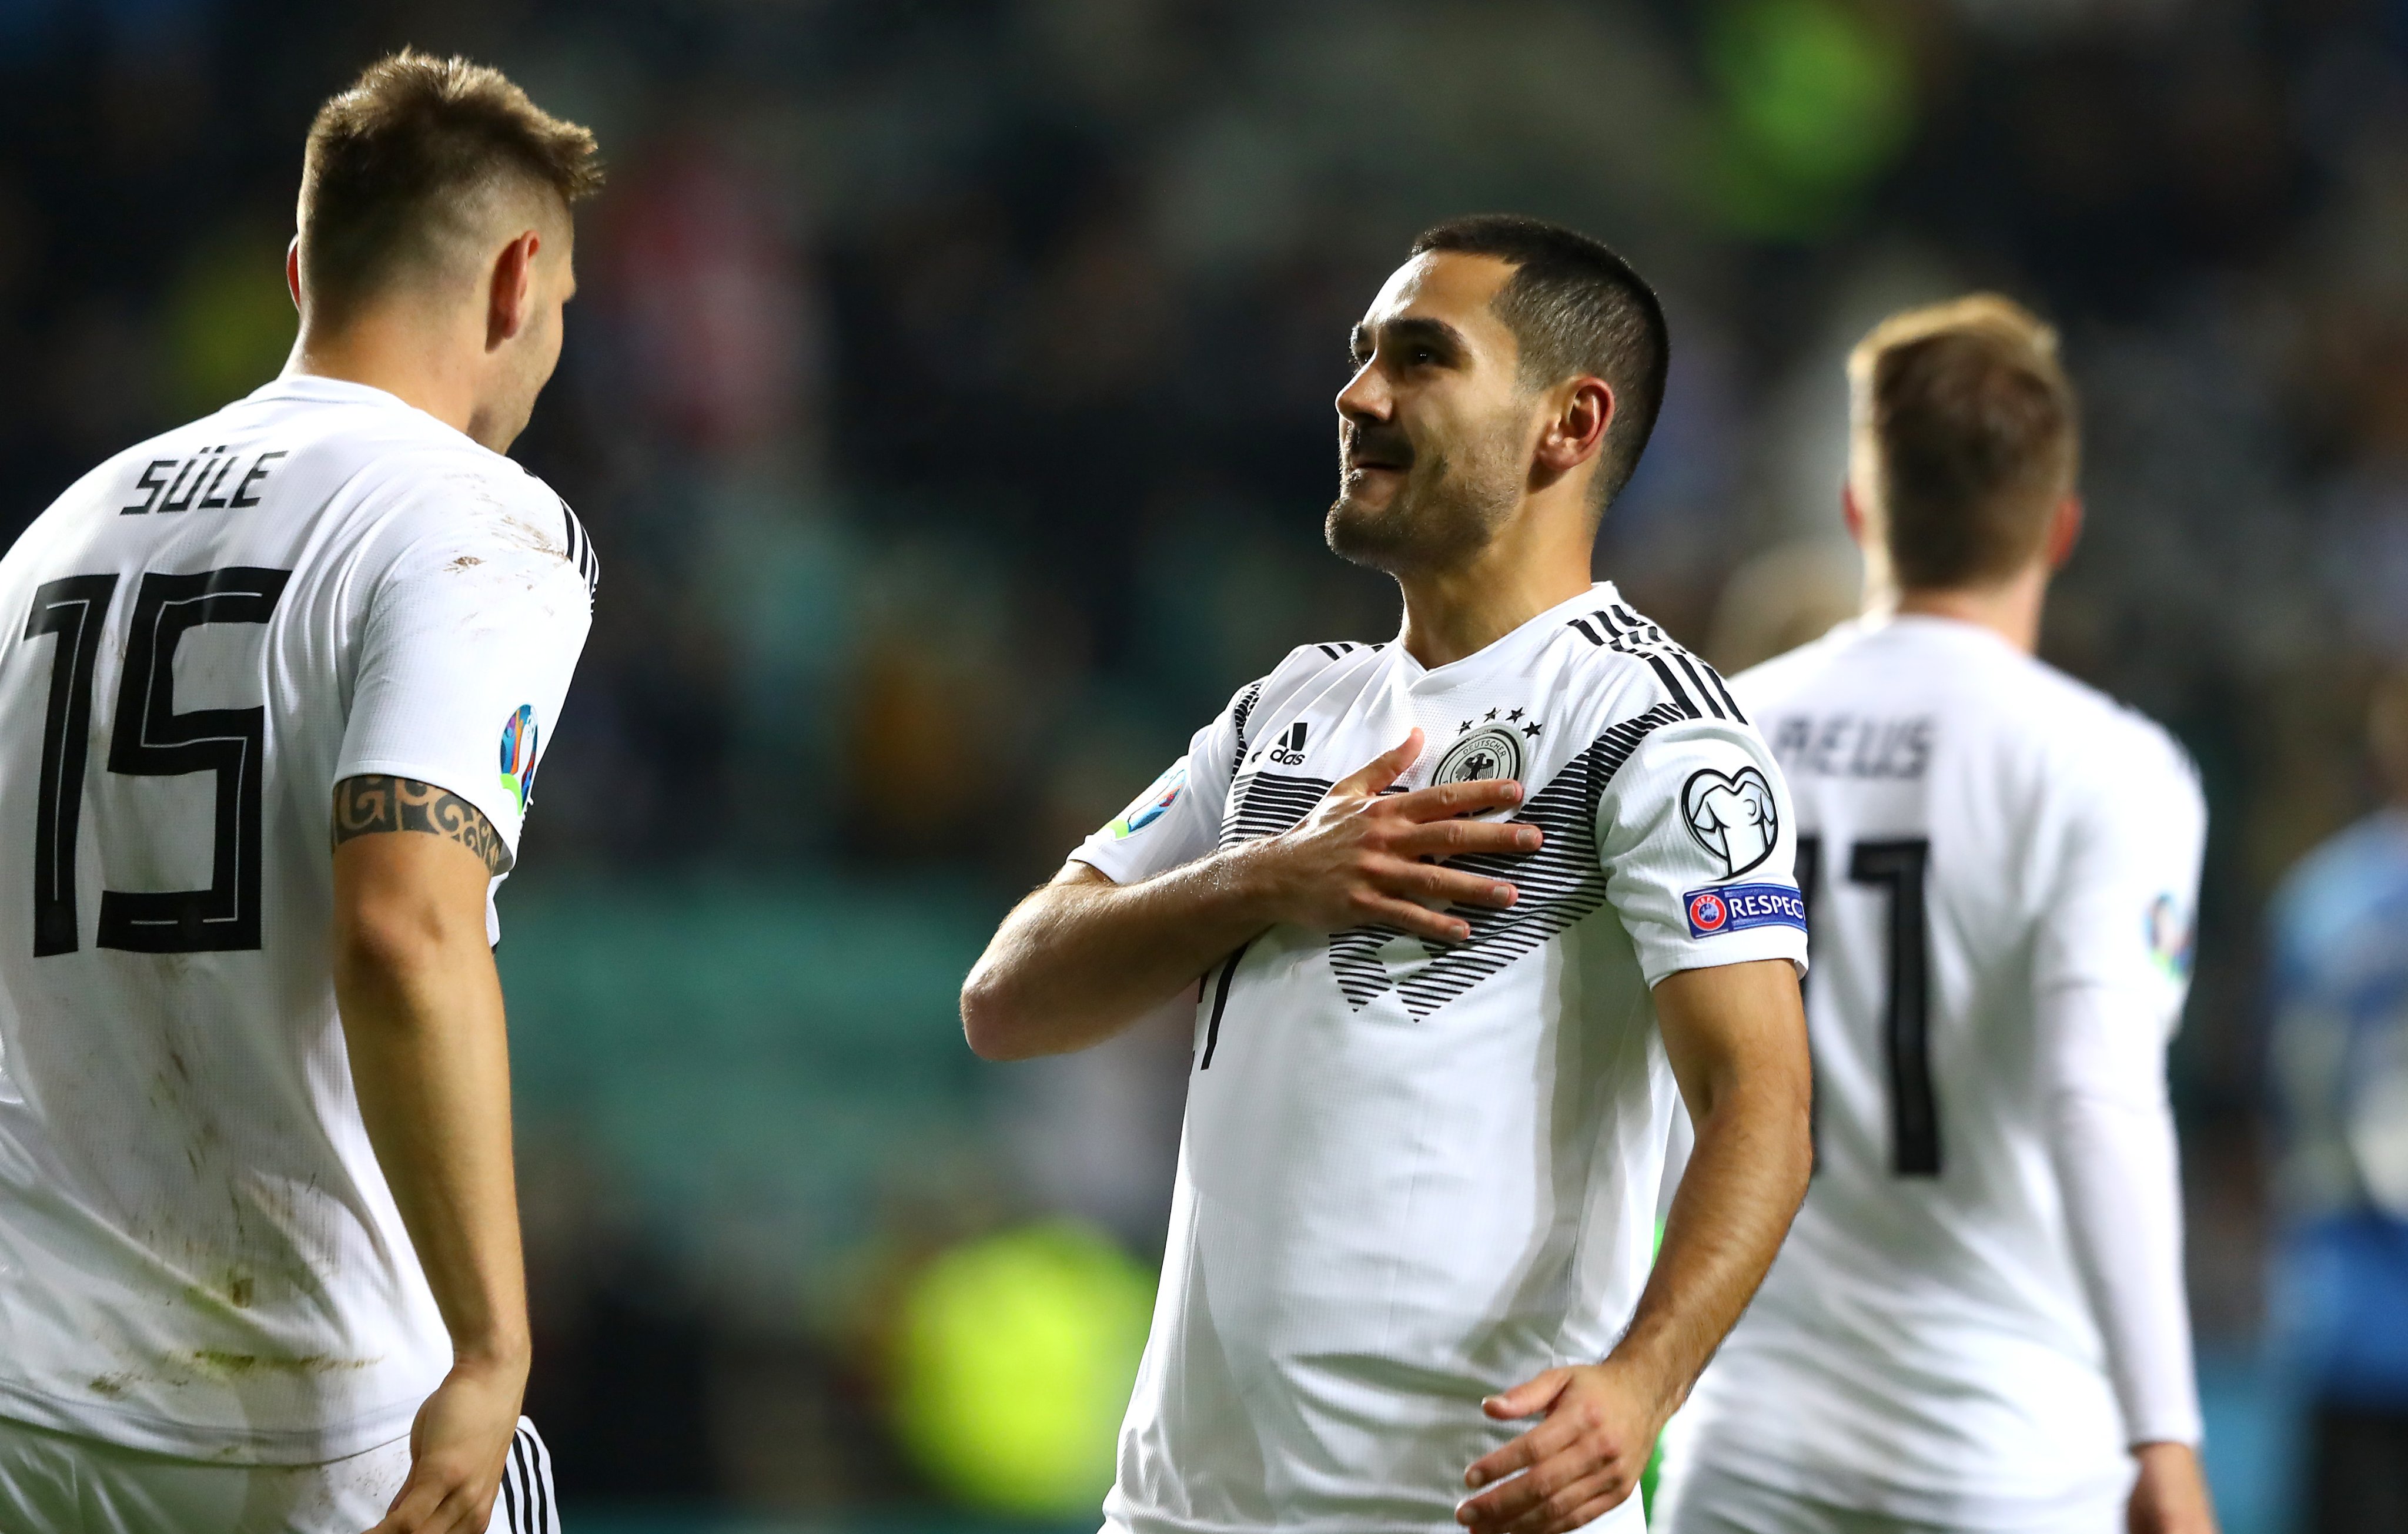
<point>1948,630</point>
<point>315,386</point>
<point>1510,647</point>
<point>317,389</point>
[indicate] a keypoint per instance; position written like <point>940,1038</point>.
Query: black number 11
<point>1898,866</point>
<point>152,739</point>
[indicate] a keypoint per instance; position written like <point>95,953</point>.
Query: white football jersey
<point>199,1254</point>
<point>1412,1176</point>
<point>1975,829</point>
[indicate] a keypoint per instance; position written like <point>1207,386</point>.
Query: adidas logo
<point>1288,750</point>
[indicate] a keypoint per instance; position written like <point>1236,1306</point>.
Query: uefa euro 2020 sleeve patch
<point>1152,804</point>
<point>2170,938</point>
<point>1736,908</point>
<point>518,755</point>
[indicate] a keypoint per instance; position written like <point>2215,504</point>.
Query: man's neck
<point>2010,609</point>
<point>387,353</point>
<point>1454,613</point>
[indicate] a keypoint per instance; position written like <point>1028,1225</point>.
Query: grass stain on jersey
<point>235,1366</point>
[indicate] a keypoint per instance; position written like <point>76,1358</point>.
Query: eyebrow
<point>1436,333</point>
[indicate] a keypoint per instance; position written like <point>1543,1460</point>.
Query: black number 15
<point>151,739</point>
<point>1898,866</point>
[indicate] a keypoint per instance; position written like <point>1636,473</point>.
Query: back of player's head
<point>1973,434</point>
<point>1575,307</point>
<point>405,169</point>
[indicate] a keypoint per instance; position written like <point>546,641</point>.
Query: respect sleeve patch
<point>1735,908</point>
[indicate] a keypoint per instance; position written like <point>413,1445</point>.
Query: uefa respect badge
<point>1736,908</point>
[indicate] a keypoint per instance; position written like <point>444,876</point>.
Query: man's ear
<point>2064,531</point>
<point>1577,430</point>
<point>1850,512</point>
<point>292,270</point>
<point>512,302</point>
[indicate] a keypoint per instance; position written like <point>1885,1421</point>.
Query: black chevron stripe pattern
<point>1271,804</point>
<point>1620,629</point>
<point>527,1495</point>
<point>1560,883</point>
<point>580,549</point>
<point>1240,711</point>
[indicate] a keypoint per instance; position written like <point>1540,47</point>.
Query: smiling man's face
<point>1434,428</point>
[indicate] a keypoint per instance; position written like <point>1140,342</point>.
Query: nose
<point>1366,397</point>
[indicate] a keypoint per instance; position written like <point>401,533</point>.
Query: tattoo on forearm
<point>377,802</point>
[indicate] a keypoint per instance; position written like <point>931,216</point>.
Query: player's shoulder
<point>371,436</point>
<point>417,481</point>
<point>404,460</point>
<point>2074,742</point>
<point>1769,684</point>
<point>2087,733</point>
<point>487,502</point>
<point>187,447</point>
<point>1304,670</point>
<point>1624,669</point>
<point>212,461</point>
<point>1983,688</point>
<point>1293,687</point>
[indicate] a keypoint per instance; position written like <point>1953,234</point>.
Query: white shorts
<point>58,1484</point>
<point>1708,1500</point>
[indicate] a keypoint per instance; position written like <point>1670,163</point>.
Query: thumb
<point>411,1506</point>
<point>1528,1399</point>
<point>1382,769</point>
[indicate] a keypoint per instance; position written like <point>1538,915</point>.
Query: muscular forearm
<point>422,1010</point>
<point>1734,1204</point>
<point>1083,957</point>
<point>1746,1174</point>
<point>431,1067</point>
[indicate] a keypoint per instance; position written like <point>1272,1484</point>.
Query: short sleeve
<point>473,626</point>
<point>2121,911</point>
<point>1698,842</point>
<point>1177,819</point>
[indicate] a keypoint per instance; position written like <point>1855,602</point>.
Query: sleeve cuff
<point>1106,858</point>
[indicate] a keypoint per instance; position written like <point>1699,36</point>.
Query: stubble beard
<point>1449,507</point>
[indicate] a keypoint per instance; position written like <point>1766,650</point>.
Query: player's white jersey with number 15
<point>199,1255</point>
<point>1975,830</point>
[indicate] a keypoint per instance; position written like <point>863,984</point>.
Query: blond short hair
<point>1974,434</point>
<point>400,166</point>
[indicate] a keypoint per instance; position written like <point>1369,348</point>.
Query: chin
<point>1405,535</point>
<point>1372,535</point>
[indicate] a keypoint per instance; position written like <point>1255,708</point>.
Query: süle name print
<point>208,479</point>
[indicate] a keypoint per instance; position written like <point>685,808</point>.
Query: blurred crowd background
<point>949,398</point>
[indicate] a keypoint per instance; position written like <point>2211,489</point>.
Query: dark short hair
<point>1974,436</point>
<point>1574,308</point>
<point>395,163</point>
